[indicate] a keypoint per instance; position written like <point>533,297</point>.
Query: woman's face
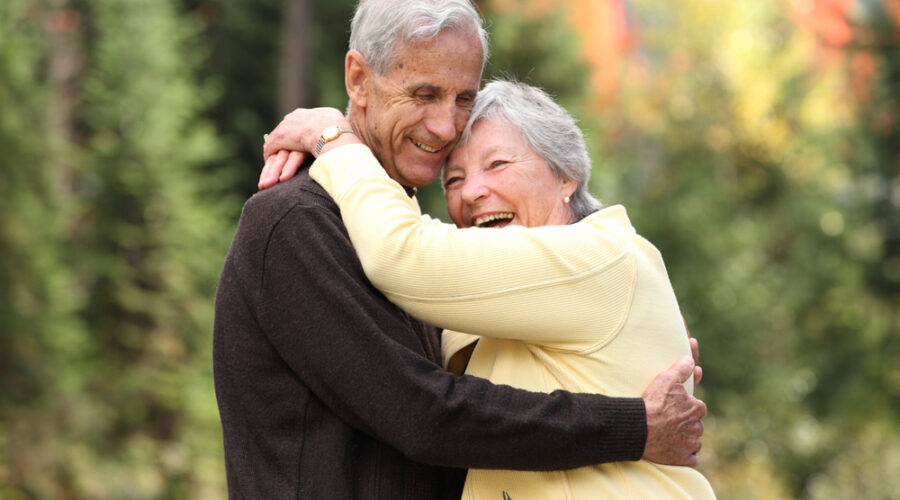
<point>495,180</point>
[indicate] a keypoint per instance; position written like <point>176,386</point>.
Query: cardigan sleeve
<point>561,286</point>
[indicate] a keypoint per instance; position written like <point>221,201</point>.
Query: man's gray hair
<point>548,129</point>
<point>380,27</point>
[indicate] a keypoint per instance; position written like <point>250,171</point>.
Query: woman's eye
<point>449,182</point>
<point>497,163</point>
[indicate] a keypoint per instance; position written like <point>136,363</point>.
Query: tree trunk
<point>295,55</point>
<point>65,68</point>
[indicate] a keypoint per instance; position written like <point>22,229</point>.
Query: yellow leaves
<point>826,106</point>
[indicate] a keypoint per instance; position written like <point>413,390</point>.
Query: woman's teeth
<point>487,219</point>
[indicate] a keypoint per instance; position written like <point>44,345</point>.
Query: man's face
<point>415,113</point>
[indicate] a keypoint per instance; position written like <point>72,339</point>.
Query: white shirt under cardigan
<point>586,307</point>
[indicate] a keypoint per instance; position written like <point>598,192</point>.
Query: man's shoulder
<point>298,201</point>
<point>300,191</point>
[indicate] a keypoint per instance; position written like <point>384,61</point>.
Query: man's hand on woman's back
<point>673,417</point>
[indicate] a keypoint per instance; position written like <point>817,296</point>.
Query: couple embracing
<point>363,350</point>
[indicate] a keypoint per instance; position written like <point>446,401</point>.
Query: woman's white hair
<point>548,129</point>
<point>380,27</point>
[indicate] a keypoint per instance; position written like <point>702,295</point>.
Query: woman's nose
<point>473,190</point>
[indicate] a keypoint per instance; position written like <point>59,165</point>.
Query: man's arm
<point>340,338</point>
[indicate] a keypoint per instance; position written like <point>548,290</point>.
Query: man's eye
<point>425,97</point>
<point>465,102</point>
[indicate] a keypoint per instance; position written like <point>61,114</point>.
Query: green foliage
<point>38,326</point>
<point>243,39</point>
<point>125,405</point>
<point>25,288</point>
<point>240,56</point>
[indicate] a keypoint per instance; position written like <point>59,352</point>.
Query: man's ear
<point>356,76</point>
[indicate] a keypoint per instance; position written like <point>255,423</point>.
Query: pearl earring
<point>566,199</point>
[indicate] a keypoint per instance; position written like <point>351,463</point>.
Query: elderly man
<point>326,389</point>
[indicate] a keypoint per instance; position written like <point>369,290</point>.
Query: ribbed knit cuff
<point>625,425</point>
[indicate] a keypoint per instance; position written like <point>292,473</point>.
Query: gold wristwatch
<point>329,134</point>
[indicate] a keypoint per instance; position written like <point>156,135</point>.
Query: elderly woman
<point>600,317</point>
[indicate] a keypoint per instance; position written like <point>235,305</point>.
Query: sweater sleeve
<point>555,285</point>
<point>347,345</point>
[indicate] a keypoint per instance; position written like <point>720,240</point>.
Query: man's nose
<point>445,121</point>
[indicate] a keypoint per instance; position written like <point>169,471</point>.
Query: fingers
<point>702,411</point>
<point>695,349</point>
<point>692,423</point>
<point>295,159</point>
<point>692,443</point>
<point>693,460</point>
<point>264,174</point>
<point>673,378</point>
<point>698,374</point>
<point>272,169</point>
<point>269,146</point>
<point>683,369</point>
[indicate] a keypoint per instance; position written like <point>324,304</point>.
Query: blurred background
<point>756,142</point>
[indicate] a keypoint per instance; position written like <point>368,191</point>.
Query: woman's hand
<point>287,145</point>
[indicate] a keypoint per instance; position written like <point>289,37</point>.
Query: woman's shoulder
<point>611,216</point>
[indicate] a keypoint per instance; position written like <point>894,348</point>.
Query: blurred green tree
<point>123,248</point>
<point>245,61</point>
<point>39,328</point>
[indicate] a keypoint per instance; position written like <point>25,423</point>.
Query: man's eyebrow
<point>469,93</point>
<point>416,87</point>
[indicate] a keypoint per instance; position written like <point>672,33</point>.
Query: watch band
<point>329,134</point>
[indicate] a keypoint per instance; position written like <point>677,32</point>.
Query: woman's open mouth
<point>499,219</point>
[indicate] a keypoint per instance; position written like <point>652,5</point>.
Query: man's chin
<point>418,176</point>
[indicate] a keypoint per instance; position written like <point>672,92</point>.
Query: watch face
<point>331,133</point>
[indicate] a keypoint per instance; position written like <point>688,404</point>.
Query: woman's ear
<point>568,188</point>
<point>356,75</point>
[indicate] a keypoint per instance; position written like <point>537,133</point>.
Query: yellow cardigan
<point>586,307</point>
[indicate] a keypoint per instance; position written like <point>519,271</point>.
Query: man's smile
<point>426,147</point>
